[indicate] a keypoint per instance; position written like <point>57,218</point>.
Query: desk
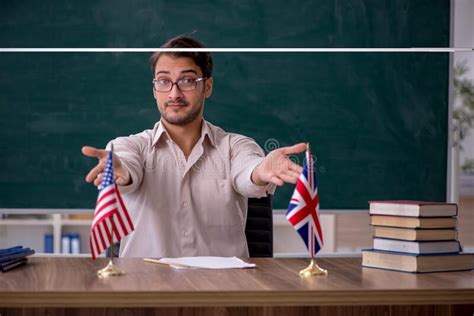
<point>61,286</point>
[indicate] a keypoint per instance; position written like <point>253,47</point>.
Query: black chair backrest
<point>259,227</point>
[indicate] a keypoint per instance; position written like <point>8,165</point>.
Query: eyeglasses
<point>185,84</point>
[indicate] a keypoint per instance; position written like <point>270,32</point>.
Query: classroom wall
<point>349,230</point>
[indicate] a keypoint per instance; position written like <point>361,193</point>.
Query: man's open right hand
<point>122,176</point>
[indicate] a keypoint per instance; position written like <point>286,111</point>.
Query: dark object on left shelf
<point>13,257</point>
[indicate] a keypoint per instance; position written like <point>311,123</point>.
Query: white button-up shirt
<point>193,207</point>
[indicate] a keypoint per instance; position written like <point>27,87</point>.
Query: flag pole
<point>111,269</point>
<point>313,269</point>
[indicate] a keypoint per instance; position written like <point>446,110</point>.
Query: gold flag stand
<point>313,269</point>
<point>110,269</point>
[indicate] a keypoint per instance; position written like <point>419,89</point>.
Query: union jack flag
<point>110,214</point>
<point>303,211</point>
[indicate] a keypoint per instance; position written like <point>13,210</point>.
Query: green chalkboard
<point>377,121</point>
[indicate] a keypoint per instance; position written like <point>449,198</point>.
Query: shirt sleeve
<point>128,149</point>
<point>246,154</point>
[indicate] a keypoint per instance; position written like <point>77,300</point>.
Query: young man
<point>186,182</point>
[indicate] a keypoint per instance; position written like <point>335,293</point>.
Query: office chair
<point>259,227</point>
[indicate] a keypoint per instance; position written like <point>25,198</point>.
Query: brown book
<point>413,208</point>
<point>413,222</point>
<point>405,262</point>
<point>415,234</point>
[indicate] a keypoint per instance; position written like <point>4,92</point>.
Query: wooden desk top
<point>72,282</point>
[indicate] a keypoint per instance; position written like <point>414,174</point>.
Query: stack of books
<point>413,236</point>
<point>14,257</point>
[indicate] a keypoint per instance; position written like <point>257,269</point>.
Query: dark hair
<point>202,59</point>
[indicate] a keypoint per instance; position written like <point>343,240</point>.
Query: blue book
<point>24,252</point>
<point>6,266</point>
<point>9,250</point>
<point>48,243</point>
<point>13,250</point>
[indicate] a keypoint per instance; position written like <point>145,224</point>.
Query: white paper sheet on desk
<point>208,263</point>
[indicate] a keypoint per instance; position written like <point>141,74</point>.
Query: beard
<point>181,120</point>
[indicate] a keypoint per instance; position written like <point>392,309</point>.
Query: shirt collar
<point>206,132</point>
<point>160,130</point>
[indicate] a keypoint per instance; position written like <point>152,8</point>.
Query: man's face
<point>180,107</point>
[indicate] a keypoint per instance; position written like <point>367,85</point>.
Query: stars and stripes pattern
<point>110,214</point>
<point>303,211</point>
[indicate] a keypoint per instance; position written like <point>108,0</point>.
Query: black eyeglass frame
<point>173,83</point>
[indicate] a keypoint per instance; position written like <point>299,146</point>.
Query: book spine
<point>66,244</point>
<point>13,264</point>
<point>14,252</point>
<point>10,250</point>
<point>17,255</point>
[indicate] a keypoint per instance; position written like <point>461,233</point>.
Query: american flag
<point>303,211</point>
<point>110,214</point>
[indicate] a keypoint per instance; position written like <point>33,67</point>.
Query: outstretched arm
<point>277,168</point>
